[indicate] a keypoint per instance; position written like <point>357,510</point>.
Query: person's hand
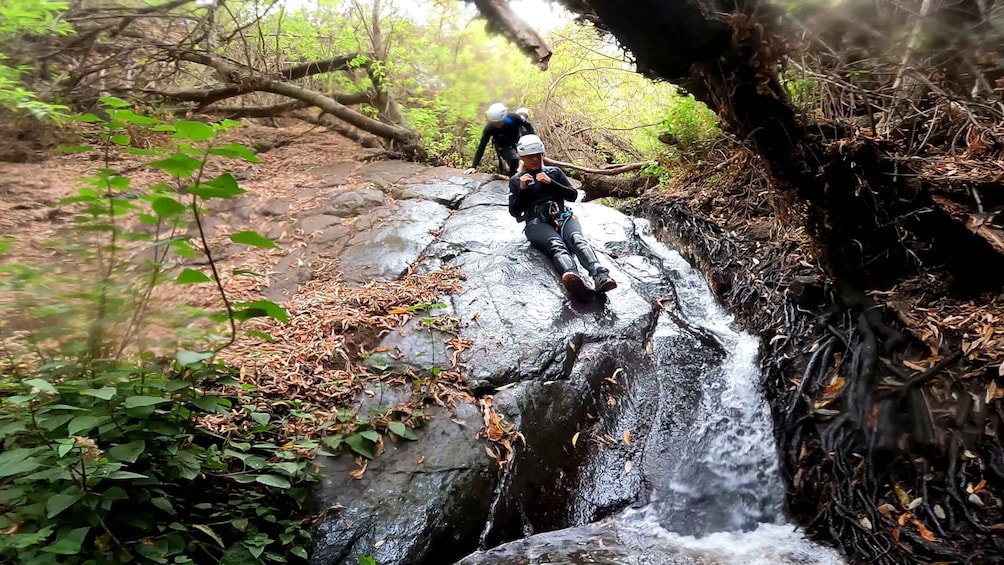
<point>524,181</point>
<point>542,177</point>
<point>470,171</point>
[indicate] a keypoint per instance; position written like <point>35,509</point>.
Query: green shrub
<point>112,454</point>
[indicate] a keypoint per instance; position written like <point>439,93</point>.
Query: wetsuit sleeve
<point>527,126</point>
<point>564,185</point>
<point>481,149</point>
<point>514,207</point>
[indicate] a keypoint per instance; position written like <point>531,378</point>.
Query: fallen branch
<point>625,168</point>
<point>342,112</point>
<point>278,109</point>
<point>312,68</point>
<point>341,128</point>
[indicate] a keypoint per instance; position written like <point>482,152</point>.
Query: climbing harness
<point>559,215</point>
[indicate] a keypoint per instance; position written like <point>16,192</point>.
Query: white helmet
<point>496,112</point>
<point>523,111</point>
<point>529,145</point>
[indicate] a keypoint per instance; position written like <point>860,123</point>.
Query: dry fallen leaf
<point>358,473</point>
<point>379,543</point>
<point>833,389</point>
<point>575,439</point>
<point>924,532</point>
<point>628,466</point>
<point>939,511</point>
<point>866,523</point>
<point>914,503</point>
<point>627,437</point>
<point>902,495</point>
<point>611,401</point>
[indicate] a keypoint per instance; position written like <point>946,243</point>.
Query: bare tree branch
<point>277,109</point>
<point>625,168</point>
<point>503,20</point>
<point>340,111</point>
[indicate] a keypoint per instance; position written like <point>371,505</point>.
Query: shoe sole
<point>576,287</point>
<point>607,286</point>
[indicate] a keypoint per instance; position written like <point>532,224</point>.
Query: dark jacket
<point>506,136</point>
<point>523,202</point>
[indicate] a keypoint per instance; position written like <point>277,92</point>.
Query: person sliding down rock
<point>537,196</point>
<point>504,129</point>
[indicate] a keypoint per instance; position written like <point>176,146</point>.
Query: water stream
<point>721,495</point>
<point>716,491</point>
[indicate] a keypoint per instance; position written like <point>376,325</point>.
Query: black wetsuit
<point>550,226</point>
<point>504,138</point>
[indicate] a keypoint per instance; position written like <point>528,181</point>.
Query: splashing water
<point>721,494</point>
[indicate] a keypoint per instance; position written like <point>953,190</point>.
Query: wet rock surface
<point>621,375</point>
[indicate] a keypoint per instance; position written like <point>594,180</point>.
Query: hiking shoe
<point>576,287</point>
<point>604,282</point>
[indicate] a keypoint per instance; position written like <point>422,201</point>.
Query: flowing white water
<point>722,495</point>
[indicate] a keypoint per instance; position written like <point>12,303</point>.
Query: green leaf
<point>186,358</point>
<point>273,481</point>
<point>371,435</point>
<point>191,276</point>
<point>252,238</point>
<point>402,431</point>
<point>112,102</point>
<point>132,117</point>
<point>73,149</point>
<point>63,448</point>
<point>120,139</point>
<point>59,502</point>
<point>299,552</point>
<point>115,493</point>
<point>140,401</point>
<point>261,417</point>
<point>207,403</point>
<point>261,335</point>
<point>178,164</point>
<point>193,131</point>
<point>187,464</point>
<point>42,385</point>
<point>143,152</point>
<point>366,560</point>
<point>81,424</point>
<point>126,475</point>
<point>17,467</point>
<point>168,207</point>
<point>247,310</point>
<point>128,452</point>
<point>224,186</point>
<point>104,393</point>
<point>236,151</point>
<point>68,542</point>
<point>85,118</point>
<point>209,532</point>
<point>360,445</point>
<point>164,504</point>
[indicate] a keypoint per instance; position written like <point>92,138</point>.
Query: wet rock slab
<point>556,369</point>
<point>385,252</point>
<point>415,502</point>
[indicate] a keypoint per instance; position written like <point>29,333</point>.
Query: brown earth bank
<point>885,400</point>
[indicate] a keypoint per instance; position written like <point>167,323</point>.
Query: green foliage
<point>19,18</point>
<point>692,124</point>
<point>104,456</point>
<point>100,462</point>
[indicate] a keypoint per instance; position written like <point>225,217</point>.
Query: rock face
<point>618,375</point>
